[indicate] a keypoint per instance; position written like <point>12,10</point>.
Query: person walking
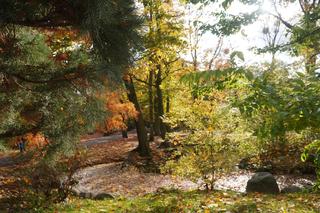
<point>22,144</point>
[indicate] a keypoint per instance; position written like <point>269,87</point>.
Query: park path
<point>105,139</point>
<point>6,160</point>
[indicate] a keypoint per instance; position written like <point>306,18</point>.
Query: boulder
<point>262,182</point>
<point>291,189</point>
<point>102,196</point>
<point>165,145</point>
<point>86,195</point>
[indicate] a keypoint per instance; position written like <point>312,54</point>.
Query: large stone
<point>262,182</point>
<point>292,189</point>
<point>86,195</point>
<point>102,196</point>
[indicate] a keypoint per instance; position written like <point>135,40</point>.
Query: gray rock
<point>102,196</point>
<point>291,189</point>
<point>262,182</point>
<point>85,195</point>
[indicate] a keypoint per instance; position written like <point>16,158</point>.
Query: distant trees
<point>163,38</point>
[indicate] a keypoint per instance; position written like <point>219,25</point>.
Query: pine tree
<point>49,85</point>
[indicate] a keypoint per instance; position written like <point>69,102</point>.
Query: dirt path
<point>126,181</point>
<point>105,139</point>
<point>6,160</point>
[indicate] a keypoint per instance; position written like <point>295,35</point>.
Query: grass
<point>197,201</point>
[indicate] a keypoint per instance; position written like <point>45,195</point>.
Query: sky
<point>251,35</point>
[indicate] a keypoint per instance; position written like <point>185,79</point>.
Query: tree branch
<point>43,23</point>
<point>53,79</point>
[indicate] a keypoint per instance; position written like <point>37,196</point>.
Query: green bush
<point>312,153</point>
<point>216,141</point>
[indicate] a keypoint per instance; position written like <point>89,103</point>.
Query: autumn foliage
<point>120,112</point>
<point>34,140</point>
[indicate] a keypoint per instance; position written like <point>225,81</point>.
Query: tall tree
<point>163,42</point>
<point>143,147</point>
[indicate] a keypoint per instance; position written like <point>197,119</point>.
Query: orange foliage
<point>34,140</point>
<point>120,112</point>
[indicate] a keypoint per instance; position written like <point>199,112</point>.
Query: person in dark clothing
<point>22,145</point>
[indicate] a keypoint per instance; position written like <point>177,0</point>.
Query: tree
<point>50,87</point>
<point>120,111</point>
<point>143,147</point>
<point>163,41</point>
<point>303,33</point>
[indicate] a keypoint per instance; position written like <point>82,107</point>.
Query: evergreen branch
<point>47,22</point>
<point>23,130</point>
<point>53,79</point>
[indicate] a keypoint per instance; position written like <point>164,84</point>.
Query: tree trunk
<point>168,104</point>
<point>311,61</point>
<point>151,108</point>
<point>143,147</point>
<point>156,126</point>
<point>124,133</point>
<point>160,108</point>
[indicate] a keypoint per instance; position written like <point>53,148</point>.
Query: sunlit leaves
<point>120,111</point>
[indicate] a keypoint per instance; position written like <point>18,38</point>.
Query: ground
<point>198,201</point>
<point>111,166</point>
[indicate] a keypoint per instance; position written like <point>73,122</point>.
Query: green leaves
<point>237,54</point>
<point>225,4</point>
<point>312,153</point>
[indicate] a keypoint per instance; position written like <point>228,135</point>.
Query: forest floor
<point>106,171</point>
<point>197,201</point>
<point>108,168</point>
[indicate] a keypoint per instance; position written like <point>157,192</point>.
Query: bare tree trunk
<point>124,133</point>
<point>168,104</point>
<point>143,147</point>
<point>151,107</point>
<point>156,118</point>
<point>160,107</point>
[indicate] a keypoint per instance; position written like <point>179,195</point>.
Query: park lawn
<point>197,201</point>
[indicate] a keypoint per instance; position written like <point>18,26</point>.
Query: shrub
<point>312,153</point>
<point>215,142</point>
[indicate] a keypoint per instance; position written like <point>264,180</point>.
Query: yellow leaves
<point>206,211</point>
<point>81,121</point>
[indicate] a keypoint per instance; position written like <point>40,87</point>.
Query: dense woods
<point>197,90</point>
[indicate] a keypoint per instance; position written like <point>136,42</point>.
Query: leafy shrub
<point>312,153</point>
<point>215,142</point>
<point>283,112</point>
